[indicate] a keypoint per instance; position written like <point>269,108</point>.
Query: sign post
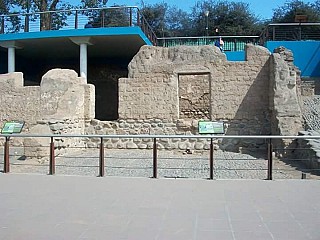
<point>208,127</point>
<point>10,128</point>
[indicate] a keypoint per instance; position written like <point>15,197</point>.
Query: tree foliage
<point>227,18</point>
<point>47,21</point>
<point>155,16</point>
<point>167,21</point>
<point>289,11</point>
<point>116,16</point>
<point>4,6</point>
<point>93,3</point>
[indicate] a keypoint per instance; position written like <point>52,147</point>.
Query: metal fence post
<point>130,18</point>
<point>76,21</point>
<point>270,150</point>
<point>6,166</point>
<point>273,33</point>
<point>52,169</point>
<point>2,25</point>
<point>211,159</point>
<point>102,18</point>
<point>26,23</point>
<point>101,162</point>
<point>138,18</point>
<point>155,167</point>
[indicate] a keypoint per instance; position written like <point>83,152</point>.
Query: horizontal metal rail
<point>269,150</point>
<point>63,11</point>
<point>291,32</point>
<point>207,136</point>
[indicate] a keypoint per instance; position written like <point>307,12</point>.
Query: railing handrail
<point>227,36</point>
<point>67,10</point>
<point>54,137</point>
<point>140,21</point>
<point>295,24</point>
<point>271,32</point>
<point>163,136</point>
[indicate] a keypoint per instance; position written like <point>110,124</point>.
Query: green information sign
<point>206,127</point>
<point>12,127</point>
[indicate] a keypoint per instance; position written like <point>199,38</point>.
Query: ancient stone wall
<point>285,102</point>
<point>148,127</point>
<point>61,104</point>
<point>18,102</point>
<point>198,83</point>
<point>167,91</point>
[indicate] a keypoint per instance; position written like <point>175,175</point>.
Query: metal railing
<point>231,43</point>
<point>76,19</point>
<point>131,16</point>
<point>211,163</point>
<point>291,32</point>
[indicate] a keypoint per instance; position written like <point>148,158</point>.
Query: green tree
<point>4,6</point>
<point>118,16</point>
<point>289,11</point>
<point>226,18</point>
<point>114,16</point>
<point>177,23</point>
<point>93,3</point>
<point>47,20</point>
<point>167,21</point>
<point>155,16</point>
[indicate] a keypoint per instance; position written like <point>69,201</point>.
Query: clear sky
<point>262,8</point>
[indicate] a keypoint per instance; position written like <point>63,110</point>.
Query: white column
<point>83,42</point>
<point>83,60</point>
<point>11,60</point>
<point>11,46</point>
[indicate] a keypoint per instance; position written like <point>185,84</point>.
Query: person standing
<point>219,43</point>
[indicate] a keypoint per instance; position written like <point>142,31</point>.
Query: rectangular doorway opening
<point>194,95</point>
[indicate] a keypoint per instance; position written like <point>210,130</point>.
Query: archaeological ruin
<point>167,91</point>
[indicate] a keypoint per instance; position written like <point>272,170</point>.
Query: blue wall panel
<point>306,55</point>
<point>235,56</point>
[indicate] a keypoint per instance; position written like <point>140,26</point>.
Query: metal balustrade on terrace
<point>231,43</point>
<point>157,162</point>
<point>291,32</point>
<point>131,16</point>
<point>71,19</point>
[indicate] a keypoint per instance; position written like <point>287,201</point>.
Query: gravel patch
<point>311,112</point>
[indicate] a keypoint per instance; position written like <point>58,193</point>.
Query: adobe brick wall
<point>167,91</point>
<point>164,82</point>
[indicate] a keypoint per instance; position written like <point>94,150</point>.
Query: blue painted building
<point>306,55</point>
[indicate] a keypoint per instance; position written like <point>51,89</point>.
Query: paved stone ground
<point>41,207</point>
<point>171,164</point>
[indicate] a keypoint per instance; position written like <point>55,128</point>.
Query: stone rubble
<point>311,112</point>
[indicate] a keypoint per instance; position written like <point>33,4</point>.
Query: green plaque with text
<point>12,127</point>
<point>207,127</point>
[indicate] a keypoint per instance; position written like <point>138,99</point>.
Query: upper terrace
<point>57,35</point>
<point>54,36</point>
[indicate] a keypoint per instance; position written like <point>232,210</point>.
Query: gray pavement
<point>74,207</point>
